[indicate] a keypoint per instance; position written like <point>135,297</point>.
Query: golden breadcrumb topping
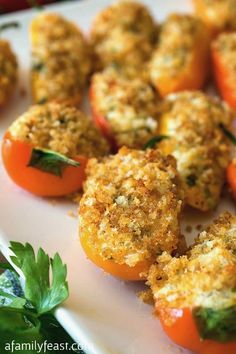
<point>123,50</point>
<point>61,59</point>
<point>205,276</point>
<point>131,206</point>
<point>191,120</point>
<point>178,40</point>
<point>8,71</point>
<point>129,106</point>
<point>128,15</point>
<point>219,14</point>
<point>123,36</point>
<point>60,128</point>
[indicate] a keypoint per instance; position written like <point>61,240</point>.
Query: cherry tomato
<point>181,328</point>
<point>122,271</point>
<point>16,156</point>
<point>223,78</point>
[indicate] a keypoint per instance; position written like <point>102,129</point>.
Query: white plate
<point>102,313</point>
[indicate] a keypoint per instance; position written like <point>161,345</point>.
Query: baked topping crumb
<point>60,128</point>
<point>191,281</point>
<point>61,59</point>
<point>130,107</point>
<point>200,147</point>
<point>8,71</point>
<point>178,39</point>
<point>131,206</point>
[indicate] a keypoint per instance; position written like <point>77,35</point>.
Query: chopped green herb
<point>228,134</point>
<point>219,324</point>
<point>191,180</point>
<point>50,161</point>
<point>36,4</point>
<point>42,100</point>
<point>155,140</point>
<point>8,25</point>
<point>38,66</point>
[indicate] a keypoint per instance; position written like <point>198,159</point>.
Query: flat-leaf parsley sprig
<point>28,314</point>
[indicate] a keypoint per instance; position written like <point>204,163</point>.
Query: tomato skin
<point>101,123</point>
<point>16,155</point>
<point>231,177</point>
<point>223,79</point>
<point>183,331</point>
<point>121,271</point>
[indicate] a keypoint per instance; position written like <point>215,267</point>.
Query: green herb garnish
<point>35,4</point>
<point>42,100</point>
<point>27,314</point>
<point>155,140</point>
<point>219,325</point>
<point>38,66</point>
<point>228,134</point>
<point>50,161</point>
<point>8,25</point>
<point>191,180</point>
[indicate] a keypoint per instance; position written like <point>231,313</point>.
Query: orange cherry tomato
<point>102,123</point>
<point>121,271</point>
<point>183,331</point>
<point>16,156</point>
<point>194,75</point>
<point>231,177</point>
<point>224,78</point>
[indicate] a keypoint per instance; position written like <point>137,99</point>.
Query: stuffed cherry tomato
<point>197,309</point>
<point>218,15</point>
<point>61,60</point>
<point>123,35</point>
<point>181,58</point>
<point>131,203</point>
<point>126,111</point>
<point>192,122</point>
<point>223,59</point>
<point>45,151</point>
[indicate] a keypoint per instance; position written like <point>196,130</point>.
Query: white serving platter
<point>102,313</point>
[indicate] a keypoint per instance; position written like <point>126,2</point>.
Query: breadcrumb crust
<point>131,206</point>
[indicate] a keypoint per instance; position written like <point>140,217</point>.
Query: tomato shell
<point>180,327</point>
<point>16,156</point>
<point>121,271</point>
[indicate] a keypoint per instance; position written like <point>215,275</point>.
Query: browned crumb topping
<point>130,107</point>
<point>178,39</point>
<point>60,128</point>
<point>123,35</point>
<point>191,281</point>
<point>131,206</point>
<point>8,71</point>
<point>128,15</point>
<point>200,147</point>
<point>61,58</point>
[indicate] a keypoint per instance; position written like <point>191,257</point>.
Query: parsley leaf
<point>219,324</point>
<point>228,133</point>
<point>50,161</point>
<point>153,141</point>
<point>39,291</point>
